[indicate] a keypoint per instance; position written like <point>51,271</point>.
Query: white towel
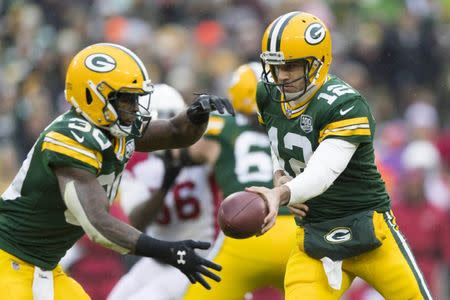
<point>42,284</point>
<point>333,270</point>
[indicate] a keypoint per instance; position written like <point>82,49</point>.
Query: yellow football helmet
<point>101,74</point>
<point>293,37</point>
<point>242,91</point>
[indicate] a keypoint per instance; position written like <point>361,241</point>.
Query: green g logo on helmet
<point>315,33</point>
<point>100,62</point>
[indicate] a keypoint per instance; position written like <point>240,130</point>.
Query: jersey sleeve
<point>350,120</point>
<point>71,148</point>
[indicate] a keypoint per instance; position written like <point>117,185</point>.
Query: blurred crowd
<point>395,52</point>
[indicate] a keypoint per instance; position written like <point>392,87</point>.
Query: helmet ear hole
<point>88,96</point>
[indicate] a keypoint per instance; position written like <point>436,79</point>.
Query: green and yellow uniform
<point>250,263</point>
<point>337,111</point>
<point>36,228</point>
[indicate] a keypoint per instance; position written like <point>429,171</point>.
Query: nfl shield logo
<point>306,123</point>
<point>129,149</point>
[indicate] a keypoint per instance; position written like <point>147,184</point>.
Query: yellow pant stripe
<point>409,257</point>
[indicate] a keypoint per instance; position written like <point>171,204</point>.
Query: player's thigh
<point>306,279</point>
<point>142,273</point>
<point>66,288</point>
<point>16,278</point>
<point>391,269</point>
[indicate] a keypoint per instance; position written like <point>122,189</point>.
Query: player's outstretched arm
<point>88,206</point>
<point>145,213</point>
<point>184,129</point>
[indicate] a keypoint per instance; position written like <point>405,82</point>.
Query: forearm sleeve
<point>328,161</point>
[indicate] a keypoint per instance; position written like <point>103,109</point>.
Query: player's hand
<point>190,263</point>
<point>172,167</point>
<point>198,112</point>
<point>272,199</point>
<point>283,179</point>
<point>181,255</point>
<point>299,209</point>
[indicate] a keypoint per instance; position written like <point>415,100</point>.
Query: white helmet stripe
<point>278,30</point>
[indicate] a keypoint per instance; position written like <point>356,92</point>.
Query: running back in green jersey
<point>244,159</point>
<point>35,224</point>
<point>335,111</point>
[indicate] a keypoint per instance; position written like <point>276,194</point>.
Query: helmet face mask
<point>99,77</point>
<point>294,37</point>
<point>133,115</point>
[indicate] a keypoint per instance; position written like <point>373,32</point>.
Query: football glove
<point>198,111</point>
<point>172,167</point>
<point>182,256</point>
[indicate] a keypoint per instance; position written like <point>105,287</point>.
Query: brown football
<point>241,215</point>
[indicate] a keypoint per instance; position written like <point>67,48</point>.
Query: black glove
<point>199,111</point>
<point>181,255</point>
<point>173,165</point>
<point>172,168</point>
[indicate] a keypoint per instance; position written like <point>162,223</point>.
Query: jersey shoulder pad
<point>72,141</point>
<point>217,124</point>
<point>344,113</point>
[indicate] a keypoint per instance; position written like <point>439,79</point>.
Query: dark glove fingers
<point>208,273</point>
<point>229,108</point>
<point>191,278</point>
<point>202,281</point>
<point>217,102</point>
<point>198,244</point>
<point>210,264</point>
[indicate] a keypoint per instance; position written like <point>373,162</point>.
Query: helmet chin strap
<point>119,131</point>
<point>291,96</point>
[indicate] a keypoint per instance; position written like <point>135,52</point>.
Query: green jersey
<point>336,111</point>
<point>244,159</point>
<point>35,224</point>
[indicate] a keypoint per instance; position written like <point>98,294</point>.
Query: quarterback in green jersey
<point>239,151</point>
<point>72,173</point>
<point>321,131</point>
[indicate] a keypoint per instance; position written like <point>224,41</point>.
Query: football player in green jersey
<point>321,131</point>
<point>239,151</point>
<point>71,175</point>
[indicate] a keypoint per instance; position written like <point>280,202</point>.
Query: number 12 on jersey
<point>289,141</point>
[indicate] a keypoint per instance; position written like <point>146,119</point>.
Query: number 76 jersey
<point>336,111</point>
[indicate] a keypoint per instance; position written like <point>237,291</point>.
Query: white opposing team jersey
<point>190,206</point>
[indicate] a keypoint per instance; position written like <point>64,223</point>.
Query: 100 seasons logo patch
<point>306,123</point>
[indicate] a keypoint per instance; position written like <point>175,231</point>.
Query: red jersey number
<point>186,207</point>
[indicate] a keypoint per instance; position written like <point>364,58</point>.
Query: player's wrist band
<point>195,116</point>
<point>151,247</point>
